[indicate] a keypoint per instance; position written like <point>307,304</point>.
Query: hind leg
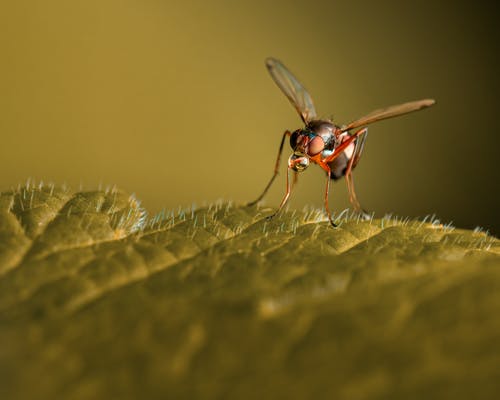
<point>359,144</point>
<point>353,198</point>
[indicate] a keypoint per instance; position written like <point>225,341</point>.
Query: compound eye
<point>294,138</point>
<point>316,145</point>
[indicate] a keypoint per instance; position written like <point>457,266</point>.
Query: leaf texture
<point>97,300</point>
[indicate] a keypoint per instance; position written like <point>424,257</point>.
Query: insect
<point>336,149</point>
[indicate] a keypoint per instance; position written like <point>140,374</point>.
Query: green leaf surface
<point>99,301</point>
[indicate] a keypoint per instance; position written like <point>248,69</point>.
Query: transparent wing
<point>389,112</point>
<point>292,89</point>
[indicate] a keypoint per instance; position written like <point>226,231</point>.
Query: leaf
<point>99,301</point>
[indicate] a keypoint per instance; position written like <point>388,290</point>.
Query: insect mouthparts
<point>298,161</point>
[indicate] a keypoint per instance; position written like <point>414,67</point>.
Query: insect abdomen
<point>338,166</point>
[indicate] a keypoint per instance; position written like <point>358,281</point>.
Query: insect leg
<point>339,149</point>
<point>327,191</point>
<point>361,134</point>
<point>285,198</point>
<point>359,148</point>
<point>276,170</point>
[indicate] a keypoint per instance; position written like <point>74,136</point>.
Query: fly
<point>336,149</point>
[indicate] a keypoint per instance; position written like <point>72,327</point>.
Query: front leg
<point>285,198</point>
<point>276,170</point>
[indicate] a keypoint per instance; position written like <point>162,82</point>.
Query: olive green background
<point>171,100</point>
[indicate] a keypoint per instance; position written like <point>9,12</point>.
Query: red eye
<point>316,145</point>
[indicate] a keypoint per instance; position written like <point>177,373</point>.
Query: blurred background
<point>171,100</point>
